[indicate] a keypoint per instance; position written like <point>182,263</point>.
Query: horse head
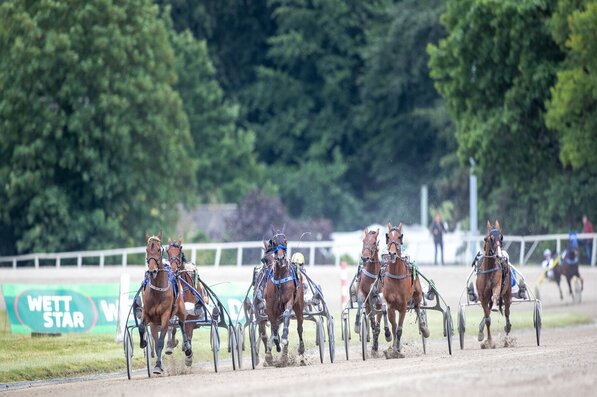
<point>153,254</point>
<point>394,240</point>
<point>280,244</point>
<point>370,246</point>
<point>493,240</point>
<point>175,254</point>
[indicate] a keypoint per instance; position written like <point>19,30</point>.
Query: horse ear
<point>377,234</point>
<point>169,241</point>
<point>273,229</point>
<point>488,225</point>
<point>284,229</point>
<point>160,236</point>
<point>180,242</point>
<point>389,226</point>
<point>400,226</point>
<point>365,233</point>
<point>497,224</point>
<point>146,237</point>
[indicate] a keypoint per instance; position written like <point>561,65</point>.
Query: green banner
<point>61,308</point>
<point>93,308</point>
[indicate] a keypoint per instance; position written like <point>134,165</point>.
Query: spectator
<point>438,229</point>
<point>587,227</point>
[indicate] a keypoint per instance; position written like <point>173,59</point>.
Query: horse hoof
<point>284,342</point>
<point>278,349</point>
<point>168,350</point>
<point>188,361</point>
<point>157,370</point>
<point>507,328</point>
<point>388,335</point>
<point>143,343</point>
<point>357,328</point>
<point>425,332</point>
<point>481,337</point>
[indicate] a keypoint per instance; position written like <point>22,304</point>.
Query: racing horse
<point>569,263</point>
<point>368,275</point>
<point>283,295</point>
<point>493,283</point>
<point>161,300</point>
<point>187,272</point>
<point>401,289</point>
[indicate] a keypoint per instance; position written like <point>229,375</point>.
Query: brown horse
<point>569,262</point>
<point>401,289</point>
<point>187,272</point>
<point>493,283</point>
<point>369,274</point>
<point>161,301</point>
<point>283,294</point>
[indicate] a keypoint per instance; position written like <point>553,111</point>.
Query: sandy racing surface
<point>565,362</point>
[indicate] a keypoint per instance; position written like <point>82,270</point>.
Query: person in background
<point>438,229</point>
<point>587,227</point>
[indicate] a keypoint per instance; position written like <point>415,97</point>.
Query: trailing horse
<point>493,283</point>
<point>369,274</point>
<point>187,272</point>
<point>401,289</point>
<point>283,295</point>
<point>162,299</point>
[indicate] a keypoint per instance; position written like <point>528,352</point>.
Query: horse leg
<point>299,330</point>
<point>560,289</point>
<point>568,279</point>
<point>287,314</point>
<point>422,322</point>
<point>375,321</point>
<point>507,301</point>
<point>158,339</point>
<point>275,337</point>
<point>486,322</point>
<point>357,321</point>
<point>401,316</point>
<point>189,352</point>
<point>172,341</point>
<point>142,330</point>
<point>392,318</point>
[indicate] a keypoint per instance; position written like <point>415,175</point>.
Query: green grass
<point>26,358</point>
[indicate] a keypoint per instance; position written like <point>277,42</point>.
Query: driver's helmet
<point>547,252</point>
<point>298,259</point>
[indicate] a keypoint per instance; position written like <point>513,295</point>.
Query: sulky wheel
<point>233,344</point>
<point>127,344</point>
<point>253,344</point>
<point>448,328</point>
<point>240,339</point>
<point>461,326</point>
<point>364,336</point>
<point>345,334</point>
<point>214,340</point>
<point>331,339</point>
<point>537,322</point>
<point>320,339</point>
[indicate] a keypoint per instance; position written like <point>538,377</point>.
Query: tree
<point>571,110</point>
<point>495,70</point>
<point>92,129</point>
<point>227,164</point>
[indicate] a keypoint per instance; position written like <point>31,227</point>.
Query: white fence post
<point>239,256</point>
<point>312,256</point>
<point>124,258</point>
<point>522,251</point>
<point>593,254</point>
<point>218,256</point>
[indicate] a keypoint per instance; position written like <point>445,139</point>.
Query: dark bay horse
<point>161,300</point>
<point>369,275</point>
<point>188,273</point>
<point>401,289</point>
<point>493,283</point>
<point>283,295</point>
<point>569,262</point>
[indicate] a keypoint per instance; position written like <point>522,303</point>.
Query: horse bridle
<point>398,242</point>
<point>157,259</point>
<point>492,237</point>
<point>373,247</point>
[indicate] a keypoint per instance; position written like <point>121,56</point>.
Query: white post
<point>194,256</point>
<point>57,262</point>
<point>593,254</point>
<point>101,264</point>
<point>521,262</point>
<point>218,256</point>
<point>37,262</point>
<point>424,206</point>
<point>311,256</point>
<point>124,259</point>
<point>558,245</point>
<point>239,256</point>
<point>473,207</point>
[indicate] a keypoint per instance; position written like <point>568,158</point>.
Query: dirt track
<point>565,362</point>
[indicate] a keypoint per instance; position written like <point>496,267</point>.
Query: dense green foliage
<point>91,125</point>
<point>111,114</point>
<point>495,71</point>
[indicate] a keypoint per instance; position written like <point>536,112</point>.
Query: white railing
<point>534,240</point>
<point>328,251</point>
